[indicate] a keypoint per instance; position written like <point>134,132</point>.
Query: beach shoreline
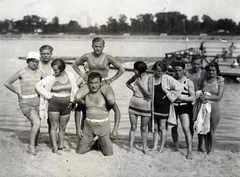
<point>160,38</point>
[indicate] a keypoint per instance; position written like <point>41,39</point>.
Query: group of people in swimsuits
<point>49,91</point>
<point>160,99</point>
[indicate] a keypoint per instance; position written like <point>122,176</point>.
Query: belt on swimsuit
<point>179,104</point>
<point>97,120</point>
<point>30,96</point>
<point>60,94</point>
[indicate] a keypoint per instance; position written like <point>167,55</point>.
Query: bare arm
<point>117,65</point>
<point>130,81</point>
<point>80,61</point>
<point>11,80</point>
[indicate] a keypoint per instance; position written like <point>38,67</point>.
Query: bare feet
<point>146,152</point>
<point>201,150</point>
<point>189,156</point>
<point>176,148</point>
<point>56,151</point>
<point>31,151</point>
<point>161,150</point>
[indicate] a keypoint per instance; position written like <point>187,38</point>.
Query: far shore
<point>125,37</point>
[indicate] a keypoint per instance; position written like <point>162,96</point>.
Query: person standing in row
<point>99,62</point>
<point>139,104</point>
<point>165,90</point>
<point>214,85</point>
<point>59,89</point>
<point>182,108</point>
<point>28,98</point>
<point>196,74</point>
<point>46,69</point>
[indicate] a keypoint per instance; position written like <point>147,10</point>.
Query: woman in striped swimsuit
<point>139,104</point>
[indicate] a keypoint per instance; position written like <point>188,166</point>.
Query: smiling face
<point>212,72</point>
<point>94,84</point>
<point>98,47</point>
<point>46,55</point>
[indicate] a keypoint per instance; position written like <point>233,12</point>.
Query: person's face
<point>196,64</point>
<point>212,72</point>
<point>158,72</point>
<point>135,71</point>
<point>98,47</point>
<point>179,72</point>
<point>33,64</point>
<point>94,85</point>
<point>46,55</point>
<point>56,71</point>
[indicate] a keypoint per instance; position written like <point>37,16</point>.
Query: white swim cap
<point>34,55</point>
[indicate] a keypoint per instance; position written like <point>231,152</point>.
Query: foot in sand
<point>56,151</point>
<point>201,150</point>
<point>146,152</point>
<point>31,151</point>
<point>189,156</point>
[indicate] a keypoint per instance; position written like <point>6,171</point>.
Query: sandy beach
<point>14,130</point>
<point>15,161</point>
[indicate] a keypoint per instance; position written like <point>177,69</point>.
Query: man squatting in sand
<point>97,122</point>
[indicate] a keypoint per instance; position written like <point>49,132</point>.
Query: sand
<point>14,160</point>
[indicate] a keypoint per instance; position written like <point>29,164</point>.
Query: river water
<point>12,118</point>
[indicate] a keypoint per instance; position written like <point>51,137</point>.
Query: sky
<point>96,12</point>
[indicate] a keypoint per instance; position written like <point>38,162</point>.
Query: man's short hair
<point>197,58</point>
<point>180,64</point>
<point>98,39</point>
<point>94,75</point>
<point>46,47</point>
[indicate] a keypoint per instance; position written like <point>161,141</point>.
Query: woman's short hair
<point>60,63</point>
<point>160,64</point>
<point>94,75</point>
<point>213,64</point>
<point>140,66</point>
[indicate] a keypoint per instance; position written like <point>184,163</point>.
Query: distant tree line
<point>164,22</point>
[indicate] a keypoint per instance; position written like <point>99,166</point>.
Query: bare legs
<point>60,122</point>
<point>210,138</point>
<point>159,127</point>
<point>132,132</point>
<point>184,118</point>
<point>35,127</point>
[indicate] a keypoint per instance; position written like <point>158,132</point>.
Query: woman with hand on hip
<point>58,90</point>
<point>139,104</point>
